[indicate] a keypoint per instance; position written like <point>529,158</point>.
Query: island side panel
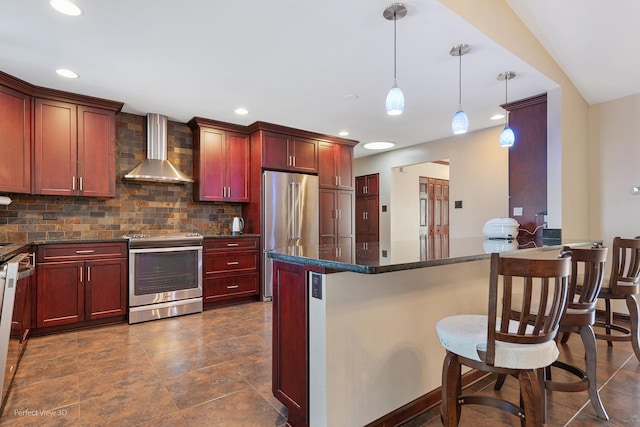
<point>290,383</point>
<point>379,350</point>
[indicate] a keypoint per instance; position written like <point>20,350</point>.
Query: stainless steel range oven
<point>165,275</point>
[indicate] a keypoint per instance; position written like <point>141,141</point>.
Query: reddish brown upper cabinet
<point>335,168</point>
<point>367,185</point>
<point>15,134</point>
<point>80,282</point>
<point>74,150</point>
<point>220,163</point>
<point>289,153</point>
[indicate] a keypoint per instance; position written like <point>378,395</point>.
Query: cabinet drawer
<point>230,286</point>
<point>230,263</point>
<point>234,244</point>
<point>81,251</point>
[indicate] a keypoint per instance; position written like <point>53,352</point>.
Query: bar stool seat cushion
<point>466,335</point>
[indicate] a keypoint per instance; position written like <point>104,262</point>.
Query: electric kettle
<point>237,225</point>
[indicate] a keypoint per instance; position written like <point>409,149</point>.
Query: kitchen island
<point>355,344</point>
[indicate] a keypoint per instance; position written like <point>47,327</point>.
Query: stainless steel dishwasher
<point>14,296</point>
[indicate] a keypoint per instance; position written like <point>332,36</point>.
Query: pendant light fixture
<point>460,122</point>
<point>507,137</point>
<point>395,97</point>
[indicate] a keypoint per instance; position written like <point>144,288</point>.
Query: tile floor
<point>211,369</point>
<point>214,369</point>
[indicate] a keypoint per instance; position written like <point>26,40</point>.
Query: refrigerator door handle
<point>297,211</point>
<point>292,219</point>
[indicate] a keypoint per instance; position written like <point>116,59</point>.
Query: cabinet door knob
<point>233,286</point>
<point>233,263</point>
<point>73,183</point>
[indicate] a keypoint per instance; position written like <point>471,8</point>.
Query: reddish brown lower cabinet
<point>80,282</point>
<point>290,376</point>
<point>231,270</point>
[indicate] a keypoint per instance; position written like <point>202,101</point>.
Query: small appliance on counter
<point>501,228</point>
<point>237,225</point>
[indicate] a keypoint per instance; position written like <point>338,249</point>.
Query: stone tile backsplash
<point>138,206</point>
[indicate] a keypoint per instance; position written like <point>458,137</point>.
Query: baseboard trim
<point>422,403</point>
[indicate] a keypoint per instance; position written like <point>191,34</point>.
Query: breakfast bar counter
<point>355,343</point>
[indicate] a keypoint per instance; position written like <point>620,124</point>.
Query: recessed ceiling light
<point>379,145</point>
<point>343,133</point>
<point>67,73</point>
<point>65,6</point>
<point>497,117</point>
<point>242,111</point>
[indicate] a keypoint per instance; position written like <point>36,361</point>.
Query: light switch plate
<point>517,211</point>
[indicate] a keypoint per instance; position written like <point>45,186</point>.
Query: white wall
<point>614,167</point>
<point>405,188</point>
<point>479,177</point>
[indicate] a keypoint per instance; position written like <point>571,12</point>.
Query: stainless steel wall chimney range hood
<point>156,167</point>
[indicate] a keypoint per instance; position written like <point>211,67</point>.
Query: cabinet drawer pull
<point>232,244</point>
<point>233,263</point>
<point>232,286</point>
<point>88,251</point>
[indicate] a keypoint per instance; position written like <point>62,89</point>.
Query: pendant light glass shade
<point>460,122</point>
<point>395,100</point>
<point>507,136</point>
<point>395,97</point>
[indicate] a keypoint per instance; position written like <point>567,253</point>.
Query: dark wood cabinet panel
<point>290,341</point>
<point>15,134</point>
<point>284,152</point>
<point>335,165</point>
<point>367,219</point>
<point>74,150</point>
<point>221,164</point>
<point>96,152</point>
<point>528,161</point>
<point>208,165</point>
<point>367,185</point>
<point>60,294</point>
<point>55,148</point>
<point>80,282</point>
<point>106,288</point>
<point>305,155</point>
<point>230,287</point>
<point>336,222</point>
<point>237,167</point>
<point>231,271</point>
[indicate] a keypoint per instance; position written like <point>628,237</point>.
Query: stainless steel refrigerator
<point>290,218</point>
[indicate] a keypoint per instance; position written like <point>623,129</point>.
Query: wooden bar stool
<point>587,273</point>
<point>623,284</point>
<point>495,343</point>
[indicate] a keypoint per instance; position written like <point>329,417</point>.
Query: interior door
<point>437,242</point>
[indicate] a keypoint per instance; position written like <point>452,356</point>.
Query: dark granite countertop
<point>227,236</point>
<point>406,255</point>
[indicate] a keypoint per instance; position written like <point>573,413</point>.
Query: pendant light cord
<point>395,19</point>
<point>460,78</point>
<point>506,80</point>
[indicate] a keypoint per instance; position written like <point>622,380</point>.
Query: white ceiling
<point>298,63</point>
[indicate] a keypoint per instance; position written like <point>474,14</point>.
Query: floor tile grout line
<point>599,390</point>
